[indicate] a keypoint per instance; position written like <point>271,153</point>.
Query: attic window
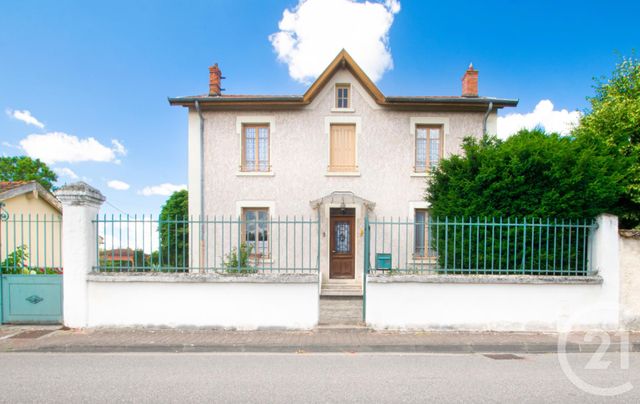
<point>343,96</point>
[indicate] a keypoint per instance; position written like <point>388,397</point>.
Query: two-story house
<point>338,152</point>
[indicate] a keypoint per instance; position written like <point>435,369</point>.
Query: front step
<point>341,290</point>
<point>342,328</point>
<point>340,312</point>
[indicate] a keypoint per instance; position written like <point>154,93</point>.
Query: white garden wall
<point>122,300</point>
<point>494,305</point>
<point>504,303</point>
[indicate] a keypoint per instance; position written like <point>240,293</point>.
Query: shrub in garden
<point>173,227</point>
<point>534,177</point>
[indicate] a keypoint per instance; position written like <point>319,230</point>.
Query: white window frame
<point>413,259</point>
<point>342,120</point>
<point>349,106</point>
<point>414,123</point>
<point>241,206</point>
<point>269,120</point>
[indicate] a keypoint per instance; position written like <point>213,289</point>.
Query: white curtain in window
<point>263,149</point>
<point>250,148</point>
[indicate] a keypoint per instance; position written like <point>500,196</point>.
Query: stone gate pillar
<point>80,205</point>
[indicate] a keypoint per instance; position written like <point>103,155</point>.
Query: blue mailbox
<point>383,261</point>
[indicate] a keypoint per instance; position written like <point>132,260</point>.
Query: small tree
<point>173,227</point>
<point>23,168</point>
<point>613,125</point>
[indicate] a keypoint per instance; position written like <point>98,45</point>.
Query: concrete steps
<point>344,289</point>
<point>340,312</point>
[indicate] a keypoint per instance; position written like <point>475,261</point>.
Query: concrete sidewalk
<point>55,339</point>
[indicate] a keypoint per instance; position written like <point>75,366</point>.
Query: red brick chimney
<point>215,77</point>
<point>470,82</point>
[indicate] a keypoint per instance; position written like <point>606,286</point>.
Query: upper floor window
<point>343,96</point>
<point>342,148</point>
<point>429,142</point>
<point>255,148</point>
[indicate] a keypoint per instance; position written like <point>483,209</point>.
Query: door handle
<point>333,251</point>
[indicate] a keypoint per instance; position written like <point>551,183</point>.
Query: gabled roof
<point>342,60</point>
<point>9,185</point>
<point>11,189</point>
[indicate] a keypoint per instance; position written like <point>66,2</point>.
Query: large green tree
<point>23,168</point>
<point>613,125</point>
<point>174,231</point>
<point>531,174</point>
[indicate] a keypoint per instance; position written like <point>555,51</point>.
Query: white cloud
<point>165,189</point>
<point>312,34</point>
<point>25,116</point>
<point>118,148</point>
<point>118,185</point>
<point>66,172</point>
<point>55,147</point>
<point>543,115</point>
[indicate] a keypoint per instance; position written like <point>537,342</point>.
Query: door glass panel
<point>342,234</point>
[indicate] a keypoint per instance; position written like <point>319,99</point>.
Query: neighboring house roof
<point>343,60</point>
<point>120,254</point>
<point>11,189</point>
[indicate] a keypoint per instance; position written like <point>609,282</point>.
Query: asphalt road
<point>305,378</point>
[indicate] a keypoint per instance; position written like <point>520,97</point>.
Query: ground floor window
<point>256,233</point>
<point>422,236</point>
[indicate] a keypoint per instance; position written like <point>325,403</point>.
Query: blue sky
<point>104,70</point>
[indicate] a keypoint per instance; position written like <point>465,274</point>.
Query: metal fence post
<point>367,264</point>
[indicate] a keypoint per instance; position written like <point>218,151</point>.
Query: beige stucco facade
<point>33,222</point>
<point>299,156</point>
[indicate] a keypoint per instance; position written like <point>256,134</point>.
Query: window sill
<point>423,261</point>
<point>343,110</point>
<point>255,174</point>
<point>342,174</point>
<point>420,175</point>
<point>259,262</point>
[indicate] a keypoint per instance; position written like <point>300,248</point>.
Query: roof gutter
<point>298,100</point>
<point>486,116</point>
<point>233,100</point>
<point>497,102</point>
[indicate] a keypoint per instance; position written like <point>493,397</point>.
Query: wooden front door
<point>342,254</point>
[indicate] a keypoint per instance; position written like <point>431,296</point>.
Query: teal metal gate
<point>31,269</point>
<point>32,299</point>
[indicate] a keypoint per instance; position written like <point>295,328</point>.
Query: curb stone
<point>323,348</point>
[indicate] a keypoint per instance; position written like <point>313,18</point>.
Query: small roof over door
<point>342,197</point>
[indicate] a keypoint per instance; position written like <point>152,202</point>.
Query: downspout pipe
<point>486,116</point>
<point>201,262</point>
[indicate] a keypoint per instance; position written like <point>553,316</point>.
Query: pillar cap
<point>80,194</point>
